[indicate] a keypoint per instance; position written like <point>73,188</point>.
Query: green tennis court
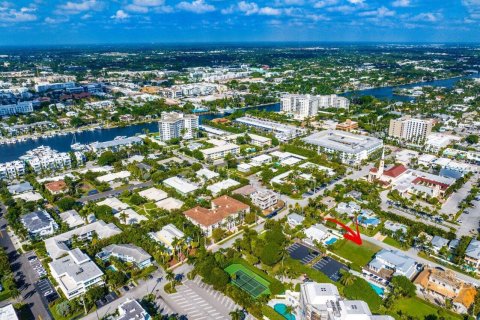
<point>247,280</point>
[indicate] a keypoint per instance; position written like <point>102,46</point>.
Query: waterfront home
<point>39,223</point>
<point>126,253</point>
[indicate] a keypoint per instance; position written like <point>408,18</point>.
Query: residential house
<point>389,263</point>
<point>132,310</point>
<point>167,236</point>
<point>39,224</point>
<point>264,199</point>
<point>295,219</point>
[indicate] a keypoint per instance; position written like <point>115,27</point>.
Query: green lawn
<point>358,255</point>
<point>419,309</point>
<point>393,243</point>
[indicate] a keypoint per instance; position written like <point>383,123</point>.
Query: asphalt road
<point>115,192</point>
<point>25,277</point>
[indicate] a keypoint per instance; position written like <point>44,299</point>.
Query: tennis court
<point>247,280</point>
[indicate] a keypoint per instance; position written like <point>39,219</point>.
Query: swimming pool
<point>112,268</point>
<point>281,309</point>
<point>331,241</point>
<point>379,290</point>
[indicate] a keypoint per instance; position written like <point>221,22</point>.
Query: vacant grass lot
<point>358,255</point>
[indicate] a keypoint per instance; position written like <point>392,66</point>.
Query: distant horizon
<point>259,43</point>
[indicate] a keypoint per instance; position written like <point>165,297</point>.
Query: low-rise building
<point>56,187</point>
<point>8,313</point>
<point>323,301</point>
<point>440,286</point>
<point>76,273</point>
<point>132,310</point>
<point>351,148</point>
<point>115,145</point>
<point>295,220</point>
<point>11,170</point>
<point>219,152</point>
<point>127,253</point>
<point>39,224</point>
<point>347,126</point>
<point>60,244</point>
<point>153,194</point>
<point>169,204</point>
<point>72,218</point>
<point>260,160</point>
<point>19,188</point>
<point>225,212</point>
<point>181,185</point>
<point>389,263</point>
<point>472,254</point>
<point>438,243</point>
<point>264,199</point>
<point>316,233</point>
<point>167,236</point>
<point>218,187</point>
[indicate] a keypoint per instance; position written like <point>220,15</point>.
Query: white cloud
<point>280,3</point>
<point>356,1</point>
<point>120,15</point>
<point>325,3</point>
<point>379,13</point>
<point>268,11</point>
<point>197,6</point>
<point>248,7</point>
<point>401,3</point>
<point>9,14</point>
<point>79,7</point>
<point>428,17</point>
<point>473,8</point>
<point>136,8</point>
<point>149,3</point>
<point>50,20</point>
<point>342,9</point>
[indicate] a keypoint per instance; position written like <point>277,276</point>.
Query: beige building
<point>410,129</point>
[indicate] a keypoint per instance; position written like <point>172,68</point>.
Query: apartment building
<point>132,310</point>
<point>177,125</point>
<point>11,170</point>
<point>225,212</point>
<point>300,106</point>
<point>45,86</point>
<point>351,148</point>
<point>167,236</point>
<point>76,273</point>
<point>115,144</point>
<point>126,253</point>
<point>410,129</point>
<point>45,158</point>
<point>12,109</point>
<point>219,152</point>
<point>323,301</point>
<point>264,199</point>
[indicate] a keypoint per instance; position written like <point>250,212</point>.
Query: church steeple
<point>381,165</point>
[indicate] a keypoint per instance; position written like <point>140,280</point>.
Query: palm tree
<point>14,292</point>
<point>347,278</point>
<point>237,314</point>
<point>123,217</point>
<point>170,276</point>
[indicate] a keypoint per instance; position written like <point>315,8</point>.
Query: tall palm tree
<point>347,278</point>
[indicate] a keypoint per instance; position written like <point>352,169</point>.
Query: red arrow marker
<point>350,235</point>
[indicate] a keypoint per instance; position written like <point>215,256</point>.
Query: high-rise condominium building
<point>303,106</point>
<point>410,129</point>
<point>177,125</point>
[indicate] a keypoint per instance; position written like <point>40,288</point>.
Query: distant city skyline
<point>38,22</point>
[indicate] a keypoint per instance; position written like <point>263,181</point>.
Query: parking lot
<point>330,267</point>
<point>46,290</point>
<point>301,252</point>
<point>197,300</point>
<point>36,265</point>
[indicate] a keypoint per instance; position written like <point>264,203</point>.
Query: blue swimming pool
<point>281,309</point>
<point>331,241</point>
<point>379,290</point>
<point>112,268</point>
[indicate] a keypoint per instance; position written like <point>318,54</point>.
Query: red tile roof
<point>222,207</point>
<point>420,180</point>
<point>56,186</point>
<point>395,171</point>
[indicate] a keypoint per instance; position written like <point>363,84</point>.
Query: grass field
<point>358,255</point>
<point>238,270</point>
<point>393,243</point>
<point>419,309</point>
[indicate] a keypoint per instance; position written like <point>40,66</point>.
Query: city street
<point>25,277</point>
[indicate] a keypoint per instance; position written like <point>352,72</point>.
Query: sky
<point>57,22</point>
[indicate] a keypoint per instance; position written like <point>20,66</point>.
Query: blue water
<point>281,309</point>
<point>386,93</point>
<point>10,152</point>
<point>112,268</point>
<point>331,241</point>
<point>380,291</point>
